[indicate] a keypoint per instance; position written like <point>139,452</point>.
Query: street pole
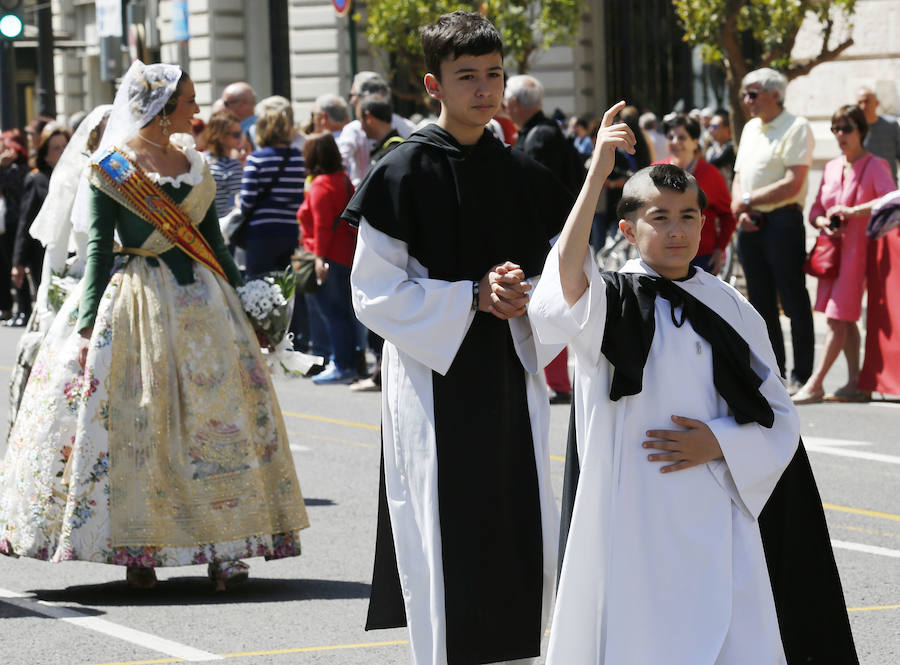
<point>280,48</point>
<point>46,92</point>
<point>351,34</point>
<point>9,102</point>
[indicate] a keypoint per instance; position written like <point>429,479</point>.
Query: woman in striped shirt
<point>222,138</point>
<point>272,189</point>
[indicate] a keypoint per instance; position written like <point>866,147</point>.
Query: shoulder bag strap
<point>265,191</point>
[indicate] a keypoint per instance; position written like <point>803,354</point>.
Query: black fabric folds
<point>461,210</point>
<point>631,325</point>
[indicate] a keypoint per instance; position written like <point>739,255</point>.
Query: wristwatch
<point>746,198</point>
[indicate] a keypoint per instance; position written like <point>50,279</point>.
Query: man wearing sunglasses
<point>883,137</point>
<point>768,193</point>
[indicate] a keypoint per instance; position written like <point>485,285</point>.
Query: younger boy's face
<point>470,89</point>
<point>666,231</point>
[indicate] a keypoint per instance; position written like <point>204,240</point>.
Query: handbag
<point>304,264</point>
<point>235,224</point>
<point>824,259</point>
<point>304,261</point>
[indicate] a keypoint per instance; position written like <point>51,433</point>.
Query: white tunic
<point>665,568</point>
<point>423,322</point>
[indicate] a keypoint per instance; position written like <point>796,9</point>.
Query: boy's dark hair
<point>455,34</point>
<point>691,126</point>
<point>661,176</point>
<point>376,106</point>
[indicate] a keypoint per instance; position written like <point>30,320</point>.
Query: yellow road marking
<point>332,438</point>
<point>336,421</point>
<point>334,647</point>
<point>873,532</point>
<point>5,368</point>
<point>873,608</point>
<point>862,511</point>
<point>273,652</point>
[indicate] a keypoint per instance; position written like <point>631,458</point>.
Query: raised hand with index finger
<point>609,137</point>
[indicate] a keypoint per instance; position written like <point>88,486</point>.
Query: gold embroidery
<point>198,448</point>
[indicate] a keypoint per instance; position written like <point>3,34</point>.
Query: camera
<point>836,221</point>
<point>757,218</point>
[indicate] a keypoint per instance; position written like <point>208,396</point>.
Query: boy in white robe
<point>683,430</point>
<point>451,223</point>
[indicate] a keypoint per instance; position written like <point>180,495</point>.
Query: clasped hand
<point>685,448</point>
<point>503,291</point>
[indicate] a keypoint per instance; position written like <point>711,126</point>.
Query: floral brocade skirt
<point>168,449</point>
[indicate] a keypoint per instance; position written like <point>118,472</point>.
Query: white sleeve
<point>581,325</point>
<point>755,456</point>
<point>533,354</point>
<point>392,296</point>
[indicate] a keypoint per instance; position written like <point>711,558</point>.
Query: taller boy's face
<point>470,89</point>
<point>667,231</point>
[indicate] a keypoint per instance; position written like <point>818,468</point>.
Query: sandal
<point>807,396</point>
<point>140,578</point>
<point>849,393</point>
<point>226,573</point>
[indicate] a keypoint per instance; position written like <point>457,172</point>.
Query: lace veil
<point>143,93</point>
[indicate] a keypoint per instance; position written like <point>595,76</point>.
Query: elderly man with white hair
<point>353,143</point>
<point>768,193</point>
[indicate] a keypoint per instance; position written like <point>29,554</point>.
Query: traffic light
<point>11,24</point>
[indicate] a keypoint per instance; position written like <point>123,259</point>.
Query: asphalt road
<point>311,609</point>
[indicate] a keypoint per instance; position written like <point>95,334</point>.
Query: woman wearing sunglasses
<point>223,137</point>
<point>851,184</point>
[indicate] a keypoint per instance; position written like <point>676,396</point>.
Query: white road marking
<point>868,549</point>
<point>842,443</point>
<point>146,640</point>
<point>839,447</point>
<point>297,448</point>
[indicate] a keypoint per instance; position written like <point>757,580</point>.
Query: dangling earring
<point>164,122</point>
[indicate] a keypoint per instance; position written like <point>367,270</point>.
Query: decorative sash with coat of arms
<point>128,185</point>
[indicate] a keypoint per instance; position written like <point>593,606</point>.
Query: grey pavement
<point>311,609</point>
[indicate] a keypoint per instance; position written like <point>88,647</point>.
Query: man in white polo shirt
<point>768,192</point>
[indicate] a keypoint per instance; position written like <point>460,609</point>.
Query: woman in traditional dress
<point>54,230</point>
<point>169,447</point>
<point>851,185</point>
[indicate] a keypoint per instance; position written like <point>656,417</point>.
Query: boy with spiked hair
<point>695,531</point>
<point>451,223</point>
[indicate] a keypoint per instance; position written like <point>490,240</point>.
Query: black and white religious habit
<point>467,529</point>
<point>672,568</point>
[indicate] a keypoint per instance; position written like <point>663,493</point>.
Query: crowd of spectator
<point>285,187</point>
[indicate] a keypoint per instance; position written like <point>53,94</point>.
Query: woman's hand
<point>321,267</point>
<point>83,344</point>
<point>7,157</point>
<point>18,275</point>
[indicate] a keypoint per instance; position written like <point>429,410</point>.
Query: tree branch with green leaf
<point>745,35</point>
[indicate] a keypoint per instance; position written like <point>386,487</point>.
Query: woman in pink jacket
<point>851,184</point>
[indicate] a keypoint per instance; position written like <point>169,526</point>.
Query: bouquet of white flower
<point>269,303</point>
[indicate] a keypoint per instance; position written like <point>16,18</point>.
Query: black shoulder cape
<point>809,600</point>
